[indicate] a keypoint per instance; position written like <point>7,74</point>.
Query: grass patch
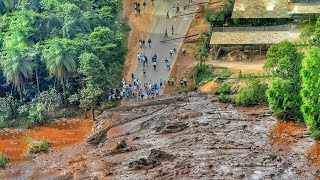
<point>224,88</point>
<point>38,146</point>
<point>3,160</point>
<point>204,73</point>
<point>224,98</point>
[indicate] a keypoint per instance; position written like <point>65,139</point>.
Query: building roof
<point>247,38</point>
<point>260,9</point>
<point>304,8</point>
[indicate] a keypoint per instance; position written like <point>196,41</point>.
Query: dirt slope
<point>172,139</point>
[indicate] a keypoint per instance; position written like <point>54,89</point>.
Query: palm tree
<point>16,69</point>
<point>59,58</point>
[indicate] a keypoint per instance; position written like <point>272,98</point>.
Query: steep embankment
<point>172,138</point>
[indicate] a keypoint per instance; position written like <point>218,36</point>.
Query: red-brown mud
<point>60,134</point>
<point>284,133</point>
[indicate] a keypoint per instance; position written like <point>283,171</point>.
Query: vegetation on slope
<point>50,48</point>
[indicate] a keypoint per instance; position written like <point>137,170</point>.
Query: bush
<point>253,94</point>
<point>224,98</point>
<point>38,146</point>
<point>285,100</point>
<point>3,160</point>
<point>202,73</point>
<point>223,89</point>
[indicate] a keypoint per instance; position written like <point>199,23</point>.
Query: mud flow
<point>176,137</point>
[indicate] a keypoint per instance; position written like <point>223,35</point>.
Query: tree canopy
<point>59,44</point>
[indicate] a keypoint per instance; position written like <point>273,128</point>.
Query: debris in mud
<point>191,115</point>
<point>99,137</point>
<point>155,158</point>
<point>122,147</point>
<point>171,127</point>
<point>122,144</point>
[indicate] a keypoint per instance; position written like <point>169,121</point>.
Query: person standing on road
<point>154,65</point>
<point>168,65</point>
<point>149,42</point>
<point>152,1</point>
<point>174,48</point>
<point>144,71</point>
<point>177,8</point>
<point>144,4</point>
<point>146,59</point>
<point>172,30</point>
<point>166,33</point>
<point>167,17</point>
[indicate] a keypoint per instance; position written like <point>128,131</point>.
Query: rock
<point>160,156</point>
<point>155,158</point>
<point>171,127</point>
<point>122,145</point>
<point>98,137</point>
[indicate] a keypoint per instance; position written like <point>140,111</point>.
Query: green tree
<point>89,98</point>
<point>93,71</point>
<point>317,31</point>
<point>285,61</point>
<point>74,22</point>
<point>7,110</point>
<point>107,44</point>
<point>284,100</point>
<point>202,49</point>
<point>96,78</point>
<point>60,60</point>
<point>28,5</point>
<point>307,33</point>
<point>17,69</point>
<point>310,74</point>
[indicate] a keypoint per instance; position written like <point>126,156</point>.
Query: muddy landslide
<point>175,139</point>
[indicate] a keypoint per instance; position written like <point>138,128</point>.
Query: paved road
<point>181,25</point>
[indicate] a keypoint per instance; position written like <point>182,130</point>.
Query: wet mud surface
<point>172,139</point>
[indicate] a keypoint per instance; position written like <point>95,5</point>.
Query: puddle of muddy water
<point>284,133</point>
<point>14,144</point>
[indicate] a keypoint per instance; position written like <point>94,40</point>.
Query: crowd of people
<point>137,91</point>
<point>147,89</point>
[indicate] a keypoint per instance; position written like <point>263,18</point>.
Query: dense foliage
<point>218,18</point>
<point>202,50</point>
<point>224,88</point>
<point>311,90</point>
<point>62,47</point>
<point>253,94</point>
<point>203,73</point>
<point>285,61</point>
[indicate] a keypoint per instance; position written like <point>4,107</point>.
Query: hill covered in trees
<point>55,52</point>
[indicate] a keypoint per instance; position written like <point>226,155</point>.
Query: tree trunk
<point>93,115</point>
<point>37,78</point>
<point>64,93</point>
<point>86,114</point>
